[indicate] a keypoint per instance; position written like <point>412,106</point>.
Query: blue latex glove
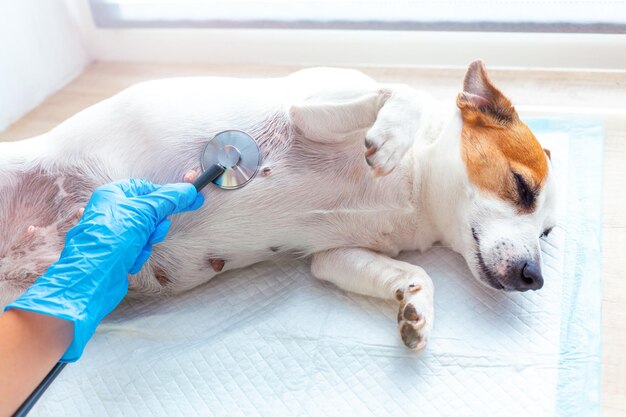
<point>113,238</point>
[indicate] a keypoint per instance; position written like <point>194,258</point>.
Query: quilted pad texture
<point>270,340</point>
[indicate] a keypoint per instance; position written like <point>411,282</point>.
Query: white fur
<point>320,197</point>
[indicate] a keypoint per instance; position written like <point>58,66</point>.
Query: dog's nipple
<point>31,230</point>
<point>217,264</point>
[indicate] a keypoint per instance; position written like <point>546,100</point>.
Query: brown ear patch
<point>501,154</point>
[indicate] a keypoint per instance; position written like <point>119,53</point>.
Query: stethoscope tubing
<point>38,392</point>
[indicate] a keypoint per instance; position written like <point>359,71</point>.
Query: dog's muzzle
<point>522,276</point>
<point>515,275</point>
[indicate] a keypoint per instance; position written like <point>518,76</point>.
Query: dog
<point>353,173</point>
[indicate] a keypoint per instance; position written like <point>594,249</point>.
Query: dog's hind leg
<point>337,115</point>
<point>386,118</point>
<point>369,273</point>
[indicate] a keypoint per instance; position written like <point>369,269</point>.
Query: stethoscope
<point>229,160</point>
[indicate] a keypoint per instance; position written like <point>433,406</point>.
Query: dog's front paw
<point>395,130</point>
<point>415,317</point>
<point>386,144</point>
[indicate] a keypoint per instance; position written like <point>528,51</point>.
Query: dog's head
<point>509,197</point>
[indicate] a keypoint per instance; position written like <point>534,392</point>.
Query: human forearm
<point>30,345</point>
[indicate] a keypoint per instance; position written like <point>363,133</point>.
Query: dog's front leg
<point>369,273</point>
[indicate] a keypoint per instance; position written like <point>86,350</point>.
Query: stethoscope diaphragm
<point>230,160</point>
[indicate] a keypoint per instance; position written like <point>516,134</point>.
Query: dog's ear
<point>479,94</point>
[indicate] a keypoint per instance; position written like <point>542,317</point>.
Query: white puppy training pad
<point>271,340</point>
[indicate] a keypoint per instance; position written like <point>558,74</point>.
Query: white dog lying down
<point>353,173</point>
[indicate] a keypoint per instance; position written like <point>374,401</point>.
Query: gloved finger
<point>160,232</point>
<point>134,187</point>
<point>171,199</point>
<point>141,259</point>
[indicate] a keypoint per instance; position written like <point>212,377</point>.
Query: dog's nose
<point>529,276</point>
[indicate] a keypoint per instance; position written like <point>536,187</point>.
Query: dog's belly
<point>307,197</point>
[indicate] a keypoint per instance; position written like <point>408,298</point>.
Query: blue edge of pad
<point>580,348</point>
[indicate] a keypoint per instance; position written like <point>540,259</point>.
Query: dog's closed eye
<point>525,193</point>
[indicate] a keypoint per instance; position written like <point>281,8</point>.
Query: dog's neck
<point>441,180</point>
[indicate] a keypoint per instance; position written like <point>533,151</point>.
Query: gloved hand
<point>113,238</point>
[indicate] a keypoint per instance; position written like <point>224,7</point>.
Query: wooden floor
<point>534,92</point>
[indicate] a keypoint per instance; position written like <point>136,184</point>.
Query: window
<point>585,16</point>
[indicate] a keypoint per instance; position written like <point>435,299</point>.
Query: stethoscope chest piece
<point>230,160</point>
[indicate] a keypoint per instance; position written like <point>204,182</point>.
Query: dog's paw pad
<point>411,331</point>
<point>410,313</point>
<point>412,337</point>
<point>412,327</point>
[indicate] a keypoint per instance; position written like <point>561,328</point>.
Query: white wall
<point>40,51</point>
<point>567,51</point>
